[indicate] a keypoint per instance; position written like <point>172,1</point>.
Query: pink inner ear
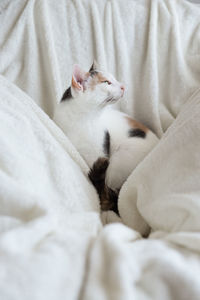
<point>79,75</point>
<point>76,84</point>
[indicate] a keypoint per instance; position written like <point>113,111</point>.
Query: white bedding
<point>52,241</point>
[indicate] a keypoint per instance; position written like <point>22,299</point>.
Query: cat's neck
<point>85,106</point>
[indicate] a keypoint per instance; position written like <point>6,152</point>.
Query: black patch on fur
<point>106,144</point>
<point>97,175</point>
<point>93,73</point>
<point>136,132</point>
<point>67,94</point>
<point>92,68</point>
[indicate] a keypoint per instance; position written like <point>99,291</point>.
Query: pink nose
<point>122,88</point>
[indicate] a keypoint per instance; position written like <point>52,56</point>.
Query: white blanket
<point>52,242</point>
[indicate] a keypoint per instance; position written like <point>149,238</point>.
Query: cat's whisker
<point>107,100</point>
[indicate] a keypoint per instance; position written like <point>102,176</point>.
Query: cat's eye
<point>107,81</point>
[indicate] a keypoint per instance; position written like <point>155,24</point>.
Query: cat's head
<point>97,87</point>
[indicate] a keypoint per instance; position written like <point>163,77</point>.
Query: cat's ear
<point>94,66</point>
<point>78,78</point>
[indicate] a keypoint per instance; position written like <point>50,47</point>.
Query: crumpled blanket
<point>53,244</point>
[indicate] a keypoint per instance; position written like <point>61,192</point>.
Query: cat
<point>110,141</point>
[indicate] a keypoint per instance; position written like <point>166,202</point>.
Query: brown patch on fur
<point>75,84</point>
<point>96,79</point>
<point>135,124</point>
<point>97,174</point>
<point>109,199</point>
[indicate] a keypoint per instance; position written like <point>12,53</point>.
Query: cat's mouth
<point>111,99</point>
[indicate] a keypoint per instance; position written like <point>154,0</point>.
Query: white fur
<point>85,118</point>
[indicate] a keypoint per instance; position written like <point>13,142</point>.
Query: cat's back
<point>85,131</point>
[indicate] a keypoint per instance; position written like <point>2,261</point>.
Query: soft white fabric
<point>49,210</point>
<point>52,243</point>
<point>165,187</point>
<point>151,46</point>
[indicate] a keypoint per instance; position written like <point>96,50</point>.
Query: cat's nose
<point>122,88</point>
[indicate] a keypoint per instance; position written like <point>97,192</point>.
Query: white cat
<point>97,129</point>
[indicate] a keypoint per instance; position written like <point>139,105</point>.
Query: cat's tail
<point>97,175</point>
